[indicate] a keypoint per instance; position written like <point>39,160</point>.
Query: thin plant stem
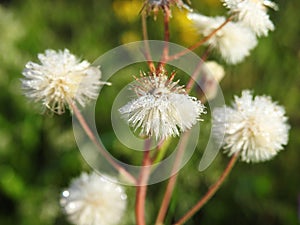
<point>92,137</point>
<point>172,181</point>
<point>199,43</point>
<point>195,74</point>
<point>166,36</point>
<point>157,153</point>
<point>141,191</point>
<point>213,189</point>
<point>165,53</point>
<point>146,44</point>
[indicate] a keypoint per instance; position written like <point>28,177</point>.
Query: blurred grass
<point>38,153</point>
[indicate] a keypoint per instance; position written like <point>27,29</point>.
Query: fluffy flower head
<point>59,79</point>
<point>234,41</point>
<point>253,13</point>
<point>256,128</point>
<point>210,81</point>
<point>216,70</point>
<point>162,107</point>
<point>93,200</point>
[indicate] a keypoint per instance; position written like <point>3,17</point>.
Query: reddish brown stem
<point>172,181</point>
<point>92,137</point>
<point>199,43</point>
<point>165,53</point>
<point>146,44</point>
<point>166,36</point>
<point>195,74</point>
<point>213,189</point>
<point>141,191</point>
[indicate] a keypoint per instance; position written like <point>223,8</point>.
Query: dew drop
<point>66,194</point>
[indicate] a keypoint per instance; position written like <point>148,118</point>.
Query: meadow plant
<point>254,129</point>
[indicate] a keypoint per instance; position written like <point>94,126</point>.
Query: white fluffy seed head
<point>162,108</point>
<point>257,128</point>
<point>93,200</point>
<point>210,81</point>
<point>234,41</point>
<point>59,79</point>
<point>217,71</point>
<point>253,13</point>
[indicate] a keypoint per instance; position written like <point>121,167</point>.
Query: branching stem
<point>92,137</point>
<point>213,189</point>
<point>172,181</point>
<point>199,43</point>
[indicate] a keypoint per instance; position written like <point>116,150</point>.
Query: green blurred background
<point>38,153</point>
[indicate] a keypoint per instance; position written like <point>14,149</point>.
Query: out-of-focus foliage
<point>38,153</point>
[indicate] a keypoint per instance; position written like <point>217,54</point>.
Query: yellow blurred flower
<point>184,28</point>
<point>127,11</point>
<point>130,36</point>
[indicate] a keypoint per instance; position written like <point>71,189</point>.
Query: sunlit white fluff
<point>93,200</point>
<point>59,79</point>
<point>253,13</point>
<point>255,127</point>
<point>210,81</point>
<point>161,108</point>
<point>234,41</point>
